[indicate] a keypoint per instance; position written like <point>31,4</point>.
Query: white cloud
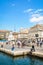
<point>37,16</point>
<point>28,10</point>
<point>37,19</point>
<point>31,11</point>
<point>38,10</point>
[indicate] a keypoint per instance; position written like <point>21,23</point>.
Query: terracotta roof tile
<point>4,31</point>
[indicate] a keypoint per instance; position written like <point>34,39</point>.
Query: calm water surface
<point>7,60</point>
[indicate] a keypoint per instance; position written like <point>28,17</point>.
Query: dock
<point>22,52</point>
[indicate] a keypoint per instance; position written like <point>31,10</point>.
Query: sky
<point>16,14</point>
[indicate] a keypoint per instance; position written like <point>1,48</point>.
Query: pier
<point>23,51</point>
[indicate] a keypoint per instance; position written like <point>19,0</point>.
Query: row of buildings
<point>4,34</point>
<point>33,33</point>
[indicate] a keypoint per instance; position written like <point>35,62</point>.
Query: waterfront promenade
<point>7,48</point>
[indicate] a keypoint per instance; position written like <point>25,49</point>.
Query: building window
<point>36,35</point>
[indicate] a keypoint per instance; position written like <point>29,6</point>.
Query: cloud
<point>38,10</point>
<point>36,16</point>
<point>37,19</point>
<point>28,10</point>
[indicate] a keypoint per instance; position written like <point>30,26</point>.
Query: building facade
<point>4,34</point>
<point>23,33</point>
<point>33,33</point>
<point>15,35</point>
<point>36,32</point>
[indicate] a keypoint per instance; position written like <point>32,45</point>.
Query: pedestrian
<point>19,44</point>
<point>40,43</point>
<point>37,43</point>
<point>2,45</point>
<point>33,48</point>
<point>13,47</point>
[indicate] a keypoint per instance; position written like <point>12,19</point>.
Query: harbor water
<point>24,60</point>
<point>3,40</point>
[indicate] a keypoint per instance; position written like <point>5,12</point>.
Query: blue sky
<point>15,14</point>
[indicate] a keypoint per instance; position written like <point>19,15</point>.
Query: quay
<point>22,52</point>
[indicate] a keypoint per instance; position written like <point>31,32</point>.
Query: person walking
<point>12,46</point>
<point>41,43</point>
